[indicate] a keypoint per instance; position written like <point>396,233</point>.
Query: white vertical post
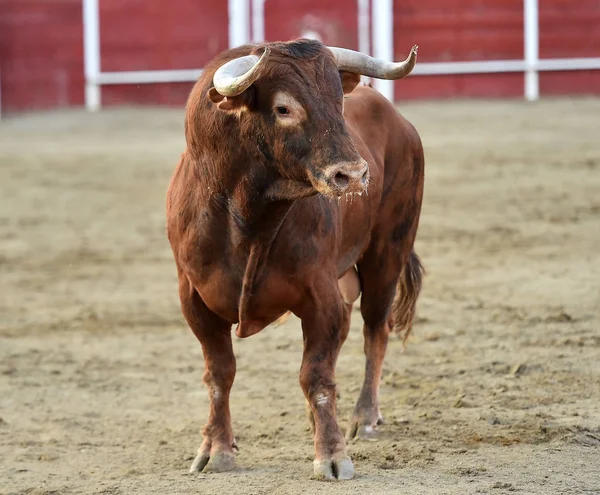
<point>258,21</point>
<point>239,22</point>
<point>91,53</point>
<point>532,51</point>
<point>364,32</point>
<point>383,41</point>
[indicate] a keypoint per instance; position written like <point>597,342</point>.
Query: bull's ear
<point>228,103</point>
<point>349,81</point>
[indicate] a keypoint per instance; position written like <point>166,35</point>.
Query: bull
<point>299,190</point>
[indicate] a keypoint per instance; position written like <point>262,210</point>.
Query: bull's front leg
<point>323,326</point>
<point>217,450</point>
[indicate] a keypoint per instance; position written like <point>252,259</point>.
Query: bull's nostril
<point>363,179</point>
<point>341,180</point>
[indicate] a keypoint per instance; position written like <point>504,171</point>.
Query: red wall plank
<point>569,28</point>
<point>41,54</point>
<point>461,86</point>
<point>459,30</point>
<point>336,22</point>
<point>175,94</point>
<point>142,35</point>
<point>580,82</point>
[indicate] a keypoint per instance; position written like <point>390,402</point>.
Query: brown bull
<point>277,134</point>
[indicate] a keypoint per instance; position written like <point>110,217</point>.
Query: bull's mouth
<point>341,188</point>
<point>334,182</point>
<point>290,189</point>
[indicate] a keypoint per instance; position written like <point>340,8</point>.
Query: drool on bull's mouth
<point>347,197</point>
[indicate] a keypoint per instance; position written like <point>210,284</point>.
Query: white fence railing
<point>244,18</point>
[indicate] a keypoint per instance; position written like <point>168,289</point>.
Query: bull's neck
<point>260,246</point>
<point>257,201</point>
<point>255,214</point>
<point>256,197</point>
<point>257,227</point>
<point>243,187</point>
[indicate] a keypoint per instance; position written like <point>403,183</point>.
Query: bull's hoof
<point>330,469</point>
<point>221,462</point>
<point>199,462</point>
<point>363,430</point>
<point>218,462</point>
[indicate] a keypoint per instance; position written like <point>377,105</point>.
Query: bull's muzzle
<point>347,177</point>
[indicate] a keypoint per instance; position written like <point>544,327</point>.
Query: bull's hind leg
<point>216,452</point>
<point>390,284</point>
<point>378,284</point>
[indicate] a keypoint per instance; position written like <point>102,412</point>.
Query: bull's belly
<point>273,299</point>
<point>349,285</point>
<point>221,293</point>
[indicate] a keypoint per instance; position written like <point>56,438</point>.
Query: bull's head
<point>288,98</point>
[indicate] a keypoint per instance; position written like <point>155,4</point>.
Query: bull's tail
<point>407,292</point>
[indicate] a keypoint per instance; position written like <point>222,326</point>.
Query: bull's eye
<point>287,110</point>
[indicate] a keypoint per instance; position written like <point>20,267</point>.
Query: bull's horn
<point>234,77</point>
<point>359,63</point>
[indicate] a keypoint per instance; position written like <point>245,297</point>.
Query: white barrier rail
<point>241,18</point>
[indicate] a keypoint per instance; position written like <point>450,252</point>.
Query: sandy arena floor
<point>499,388</point>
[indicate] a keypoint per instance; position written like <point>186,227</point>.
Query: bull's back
<point>387,135</point>
<point>392,147</point>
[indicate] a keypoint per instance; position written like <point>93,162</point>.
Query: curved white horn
<point>359,63</point>
<point>235,76</point>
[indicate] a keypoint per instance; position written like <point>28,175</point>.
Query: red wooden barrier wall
<point>336,26</point>
<point>153,35</point>
<point>569,29</point>
<point>41,52</point>
<point>457,31</point>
